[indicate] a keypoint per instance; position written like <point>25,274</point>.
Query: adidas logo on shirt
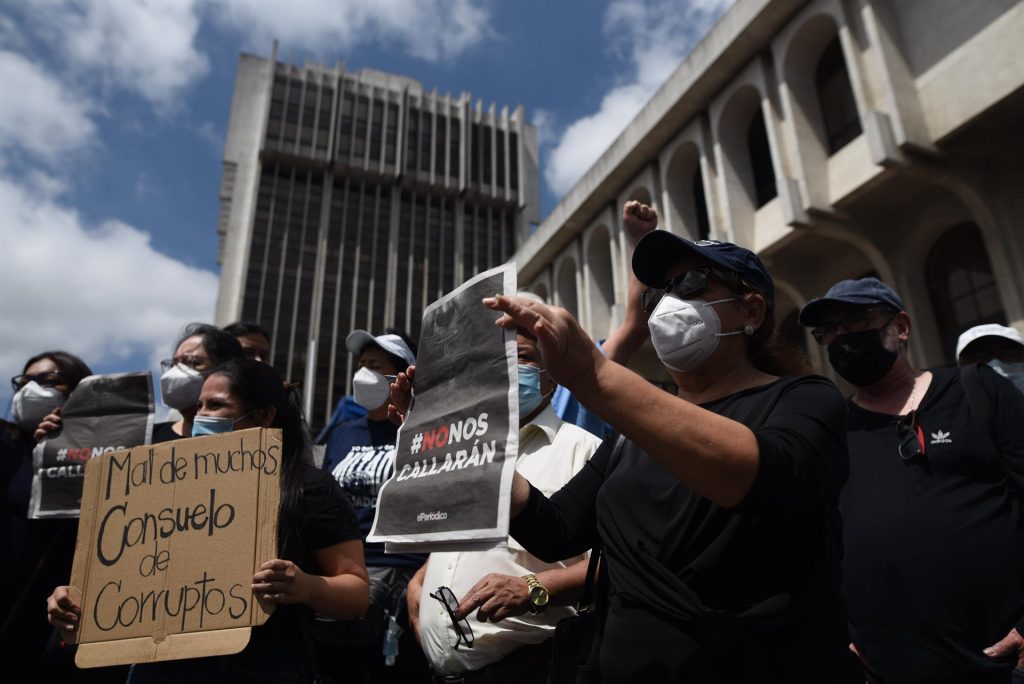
<point>941,437</point>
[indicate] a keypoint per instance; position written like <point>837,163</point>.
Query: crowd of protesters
<point>754,526</point>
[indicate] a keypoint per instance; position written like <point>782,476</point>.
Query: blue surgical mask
<point>214,425</point>
<point>530,395</point>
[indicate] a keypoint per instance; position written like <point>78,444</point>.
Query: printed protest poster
<point>456,453</point>
<point>168,541</point>
<point>103,414</point>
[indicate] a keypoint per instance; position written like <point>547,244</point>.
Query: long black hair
<point>259,386</point>
<point>73,368</point>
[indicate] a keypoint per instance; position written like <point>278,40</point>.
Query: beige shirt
<point>551,451</point>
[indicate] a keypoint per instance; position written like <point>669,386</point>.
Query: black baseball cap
<point>863,292</point>
<point>659,250</point>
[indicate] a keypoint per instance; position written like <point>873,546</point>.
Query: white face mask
<point>1014,372</point>
<point>33,402</point>
<point>685,332</point>
<point>180,387</point>
<point>371,389</point>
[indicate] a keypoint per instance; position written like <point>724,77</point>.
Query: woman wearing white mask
<point>38,553</point>
<point>718,512</point>
<point>360,454</point>
<point>200,349</point>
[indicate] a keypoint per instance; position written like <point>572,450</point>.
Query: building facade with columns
<point>837,138</point>
<point>352,199</point>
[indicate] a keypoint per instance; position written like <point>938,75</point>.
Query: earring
<point>748,330</point>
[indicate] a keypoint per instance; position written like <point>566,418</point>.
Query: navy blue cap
<point>659,250</point>
<point>863,292</point>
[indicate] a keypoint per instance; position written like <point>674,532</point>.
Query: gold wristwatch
<point>538,595</point>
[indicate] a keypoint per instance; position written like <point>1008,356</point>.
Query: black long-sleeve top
<point>704,593</point>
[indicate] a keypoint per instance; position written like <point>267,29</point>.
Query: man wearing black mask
<point>934,546</point>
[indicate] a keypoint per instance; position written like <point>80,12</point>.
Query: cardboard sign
<point>169,538</point>
<point>456,453</point>
<point>103,414</point>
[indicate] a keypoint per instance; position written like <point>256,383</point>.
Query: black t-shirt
<point>164,432</point>
<point>680,567</point>
<point>277,647</point>
<point>934,546</point>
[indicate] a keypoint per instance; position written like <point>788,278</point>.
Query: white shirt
<point>551,451</point>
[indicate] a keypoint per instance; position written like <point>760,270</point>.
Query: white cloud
<point>101,292</point>
<point>38,115</point>
<point>145,46</point>
<point>427,29</point>
<point>653,36</point>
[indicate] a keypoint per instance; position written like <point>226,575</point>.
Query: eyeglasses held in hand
<point>910,436</point>
<point>463,631</point>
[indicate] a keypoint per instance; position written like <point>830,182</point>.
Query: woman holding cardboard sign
<point>320,564</point>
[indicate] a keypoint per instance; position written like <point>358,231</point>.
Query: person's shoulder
<point>575,433</point>
<point>811,384</point>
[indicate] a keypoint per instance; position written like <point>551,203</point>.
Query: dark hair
<point>766,348</point>
<point>242,328</point>
<point>73,368</point>
<point>259,386</point>
<point>220,346</point>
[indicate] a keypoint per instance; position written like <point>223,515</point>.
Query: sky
<point>113,115</point>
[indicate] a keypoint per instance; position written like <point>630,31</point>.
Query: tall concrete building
<point>837,138</point>
<point>354,199</point>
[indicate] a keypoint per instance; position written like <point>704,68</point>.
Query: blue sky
<point>113,115</point>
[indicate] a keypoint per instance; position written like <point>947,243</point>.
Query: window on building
<point>348,104</point>
<point>486,143</point>
<point>440,144</point>
<point>500,148</point>
<point>700,205</point>
<point>412,140</point>
<point>474,153</point>
<point>391,133</point>
<point>513,160</point>
<point>963,290</point>
<point>426,126</point>
<point>456,150</point>
<point>835,96</point>
<point>761,161</point>
<point>376,129</point>
<point>362,125</point>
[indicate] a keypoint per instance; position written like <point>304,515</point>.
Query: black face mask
<point>860,357</point>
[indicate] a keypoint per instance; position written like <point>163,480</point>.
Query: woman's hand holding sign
<point>61,611</point>
<point>281,581</point>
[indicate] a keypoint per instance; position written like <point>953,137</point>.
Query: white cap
<point>392,344</point>
<point>987,330</point>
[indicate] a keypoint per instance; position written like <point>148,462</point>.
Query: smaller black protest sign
<point>103,414</point>
<point>456,452</point>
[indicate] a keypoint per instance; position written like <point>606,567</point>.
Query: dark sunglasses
<point>910,437</point>
<point>464,633</point>
<point>684,286</point>
<point>47,379</point>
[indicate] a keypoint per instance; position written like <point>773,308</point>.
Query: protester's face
<point>255,347</point>
<point>47,373</point>
<point>841,319</point>
<point>218,401</point>
<point>730,313</point>
<point>192,353</point>
<point>985,349</point>
<point>529,355</point>
<point>376,359</point>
